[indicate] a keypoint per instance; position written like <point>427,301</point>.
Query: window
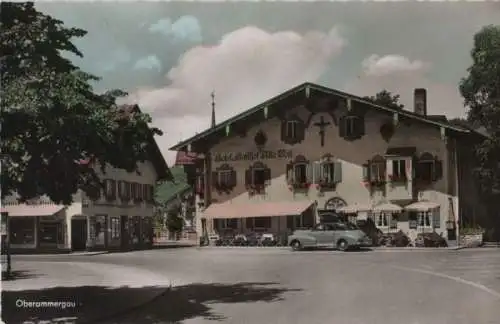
<point>300,173</point>
<point>224,178</point>
<point>398,170</point>
<point>387,219</point>
<point>123,190</point>
<point>115,228</point>
<point>428,168</point>
<point>257,176</point>
<point>22,230</point>
<point>377,170</point>
<point>351,127</point>
<point>262,222</point>
<point>110,189</point>
<point>292,128</point>
<point>424,219</point>
<point>230,223</point>
<point>327,172</point>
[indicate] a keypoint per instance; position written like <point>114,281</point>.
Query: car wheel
<point>342,245</point>
<point>296,246</point>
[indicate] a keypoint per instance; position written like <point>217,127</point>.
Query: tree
<point>175,223</point>
<point>481,93</point>
<point>387,99</point>
<point>55,128</point>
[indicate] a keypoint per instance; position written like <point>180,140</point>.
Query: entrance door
<point>78,234</point>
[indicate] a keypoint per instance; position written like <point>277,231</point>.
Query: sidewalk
<point>77,291</point>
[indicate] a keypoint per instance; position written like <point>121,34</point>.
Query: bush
<point>432,239</point>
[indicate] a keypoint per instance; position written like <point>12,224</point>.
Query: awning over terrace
<point>260,209</point>
<point>31,210</point>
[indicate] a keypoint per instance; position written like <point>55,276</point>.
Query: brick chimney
<point>420,101</point>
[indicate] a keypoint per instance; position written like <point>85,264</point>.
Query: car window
<point>319,227</point>
<point>329,227</point>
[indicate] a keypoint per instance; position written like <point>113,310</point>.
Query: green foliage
<point>387,99</point>
<point>174,222</point>
<point>481,93</point>
<point>52,119</point>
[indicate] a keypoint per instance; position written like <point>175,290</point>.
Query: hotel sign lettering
<point>252,156</point>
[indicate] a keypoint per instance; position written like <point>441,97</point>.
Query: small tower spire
<point>213,109</point>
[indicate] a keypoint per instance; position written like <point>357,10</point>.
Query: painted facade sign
<point>252,156</point>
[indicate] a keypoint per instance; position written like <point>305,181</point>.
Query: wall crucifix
<point>322,124</point>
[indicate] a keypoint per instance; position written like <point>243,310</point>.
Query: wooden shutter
<point>301,131</point>
<point>233,179</point>
<point>337,172</point>
<point>267,174</point>
<point>133,190</point>
<point>248,177</point>
<point>309,173</point>
<point>289,172</point>
<point>366,172</point>
<point>215,179</point>
<point>128,190</point>
<point>342,128</point>
<point>113,189</point>
<point>436,218</point>
<point>120,189</point>
<point>318,172</point>
<point>360,126</point>
<point>438,170</point>
<point>145,192</point>
<point>283,131</point>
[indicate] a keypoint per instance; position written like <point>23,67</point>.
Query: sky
<point>170,56</point>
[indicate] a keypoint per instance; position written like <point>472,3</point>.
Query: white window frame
<point>399,162</point>
<point>421,218</point>
<point>389,216</point>
<point>291,128</point>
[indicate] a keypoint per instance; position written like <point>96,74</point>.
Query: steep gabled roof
<point>324,90</point>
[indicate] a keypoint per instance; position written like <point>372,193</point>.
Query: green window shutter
<point>342,128</point>
<point>366,172</point>
<point>337,172</point>
<point>309,173</point>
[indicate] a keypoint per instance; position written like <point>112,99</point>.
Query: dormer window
<point>292,130</point>
<point>351,127</point>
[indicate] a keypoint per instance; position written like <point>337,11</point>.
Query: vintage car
<point>343,236</point>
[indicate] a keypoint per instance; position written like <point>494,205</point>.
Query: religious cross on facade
<point>322,124</point>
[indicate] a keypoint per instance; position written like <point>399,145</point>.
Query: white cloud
<point>150,62</point>
<point>376,65</point>
<point>185,28</point>
<point>401,75</point>
<point>246,67</point>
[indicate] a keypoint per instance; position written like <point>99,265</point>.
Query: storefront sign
<point>252,156</point>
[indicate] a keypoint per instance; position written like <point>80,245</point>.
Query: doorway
<point>124,233</point>
<point>78,234</point>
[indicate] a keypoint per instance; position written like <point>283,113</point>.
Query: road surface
<point>267,285</point>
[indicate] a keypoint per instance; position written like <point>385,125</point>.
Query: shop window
<point>262,222</point>
<point>115,228</point>
<point>22,230</point>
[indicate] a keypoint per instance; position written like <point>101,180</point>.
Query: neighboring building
<point>175,195</point>
<point>120,219</point>
<point>282,164</point>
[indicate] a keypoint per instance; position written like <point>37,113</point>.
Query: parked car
<point>343,236</point>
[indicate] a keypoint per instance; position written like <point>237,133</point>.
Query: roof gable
<point>307,88</point>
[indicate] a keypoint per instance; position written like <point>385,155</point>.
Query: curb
<point>107,318</point>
